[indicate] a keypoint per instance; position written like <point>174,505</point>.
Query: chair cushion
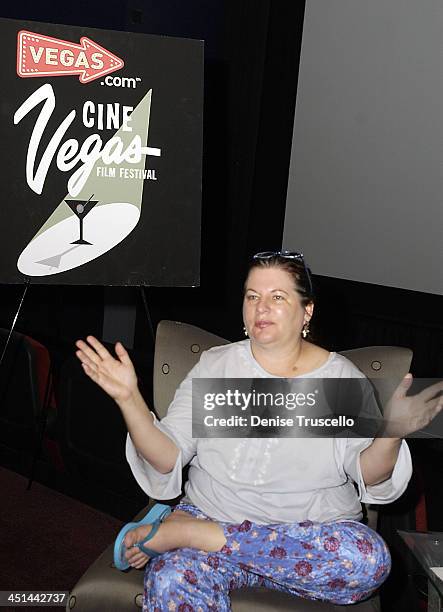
<point>103,587</point>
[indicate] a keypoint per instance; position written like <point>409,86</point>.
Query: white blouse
<point>265,480</point>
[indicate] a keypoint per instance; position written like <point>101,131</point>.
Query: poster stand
<point>41,425</point>
<point>27,282</point>
<point>148,315</point>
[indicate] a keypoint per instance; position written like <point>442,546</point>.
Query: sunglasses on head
<point>292,255</point>
<point>284,254</point>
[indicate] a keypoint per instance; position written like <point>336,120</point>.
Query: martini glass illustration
<point>81,208</point>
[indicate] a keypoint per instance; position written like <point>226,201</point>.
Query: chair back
<point>178,347</point>
<point>385,366</point>
<point>24,380</point>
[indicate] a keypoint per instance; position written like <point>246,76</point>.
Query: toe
<point>131,553</point>
<point>136,535</point>
<point>139,558</point>
<point>130,538</point>
<point>140,565</point>
<point>136,558</point>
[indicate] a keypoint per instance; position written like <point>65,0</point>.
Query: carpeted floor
<point>47,540</point>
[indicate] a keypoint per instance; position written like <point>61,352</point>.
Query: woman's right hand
<point>116,376</point>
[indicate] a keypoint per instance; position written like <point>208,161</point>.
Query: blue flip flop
<point>154,517</point>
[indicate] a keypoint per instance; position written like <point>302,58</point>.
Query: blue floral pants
<point>341,562</point>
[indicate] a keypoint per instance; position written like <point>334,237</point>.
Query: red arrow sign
<point>39,56</point>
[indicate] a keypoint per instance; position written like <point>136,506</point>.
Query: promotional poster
<point>101,156</point>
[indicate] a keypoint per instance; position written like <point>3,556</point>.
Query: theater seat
<point>178,347</point>
<point>25,398</point>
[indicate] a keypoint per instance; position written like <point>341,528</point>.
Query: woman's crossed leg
<point>341,562</point>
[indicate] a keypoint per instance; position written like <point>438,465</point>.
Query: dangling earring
<point>245,331</point>
<point>305,329</point>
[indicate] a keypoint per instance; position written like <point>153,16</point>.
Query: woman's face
<point>272,310</point>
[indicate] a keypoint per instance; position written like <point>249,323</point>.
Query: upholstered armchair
<point>178,348</point>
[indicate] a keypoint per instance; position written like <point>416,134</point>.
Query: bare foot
<point>178,530</point>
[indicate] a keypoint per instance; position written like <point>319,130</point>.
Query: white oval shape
<point>53,251</point>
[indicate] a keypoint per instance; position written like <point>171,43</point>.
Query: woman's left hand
<point>404,414</point>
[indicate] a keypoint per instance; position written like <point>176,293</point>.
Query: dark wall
<point>111,14</point>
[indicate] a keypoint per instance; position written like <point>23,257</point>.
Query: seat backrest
<point>24,377</point>
<point>178,347</point>
<point>385,366</point>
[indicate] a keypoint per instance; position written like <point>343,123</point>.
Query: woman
<point>283,513</point>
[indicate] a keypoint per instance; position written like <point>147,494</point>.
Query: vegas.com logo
<point>39,56</point>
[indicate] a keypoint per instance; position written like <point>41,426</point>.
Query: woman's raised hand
<point>115,375</point>
<point>405,414</point>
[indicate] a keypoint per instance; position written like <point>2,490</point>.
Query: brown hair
<point>298,271</point>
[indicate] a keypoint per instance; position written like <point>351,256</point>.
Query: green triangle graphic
<point>111,190</point>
